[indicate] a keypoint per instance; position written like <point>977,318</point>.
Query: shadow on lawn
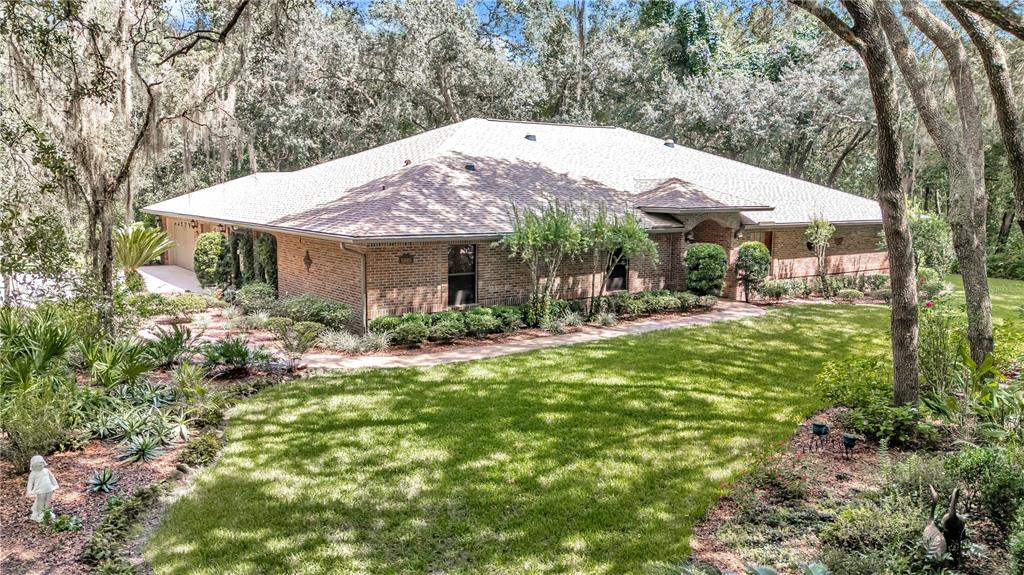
<point>595,458</point>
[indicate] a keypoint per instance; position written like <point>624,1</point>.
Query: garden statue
<point>41,485</point>
<point>932,539</point>
<point>953,527</point>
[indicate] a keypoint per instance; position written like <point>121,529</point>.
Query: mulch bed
<point>834,477</point>
<point>25,547</point>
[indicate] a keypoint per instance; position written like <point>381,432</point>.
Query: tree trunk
<point>963,153</point>
<point>1005,227</point>
<point>837,168</point>
<point>997,69</point>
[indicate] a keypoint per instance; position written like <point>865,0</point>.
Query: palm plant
<point>136,245</point>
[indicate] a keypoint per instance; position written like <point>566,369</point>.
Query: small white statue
<point>41,485</point>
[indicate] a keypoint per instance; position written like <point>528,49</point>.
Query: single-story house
<point>412,225</point>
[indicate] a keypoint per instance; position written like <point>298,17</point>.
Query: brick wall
<point>422,285</point>
<point>333,273</point>
<point>853,250</point>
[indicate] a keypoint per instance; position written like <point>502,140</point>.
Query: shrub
<point>1008,263</point>
<point>627,305</point>
<point>200,450</point>
<point>782,477</point>
<point>1015,544</point>
<point>572,319</point>
<point>876,281</point>
<point>932,241</point>
<point>479,323</point>
<point>447,330</point>
<point>340,340</point>
<point>706,264</point>
<point>446,316</point>
<point>297,339</point>
<point>553,325</point>
<point>233,356</point>
<point>752,264</point>
<point>170,346</point>
<point>206,258</point>
<point>102,481</point>
<point>828,286</point>
<point>658,301</point>
<point>560,307</point>
<point>774,290</point>
<point>410,333</point>
<point>385,323</point>
<point>606,319</point>
<point>915,475</point>
<point>104,546</point>
<point>884,294</point>
<point>256,296</point>
<point>929,283</point>
<point>510,318</point>
<point>879,530</point>
<point>941,334</point>
<point>375,341</point>
<point>147,305</point>
<point>688,300</point>
<point>37,418</point>
<point>995,477</point>
<point>278,324</point>
<point>849,295</point>
<point>308,307</point>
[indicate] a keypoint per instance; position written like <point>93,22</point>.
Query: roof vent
<point>470,167</point>
<point>670,143</point>
<point>407,162</point>
<point>531,137</point>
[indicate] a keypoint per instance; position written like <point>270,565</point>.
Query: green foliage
<point>849,295</point>
<point>206,259</point>
<point>447,330</point>
<point>171,346</point>
<point>102,481</point>
<point>308,307</point>
<point>233,357</point>
<point>915,475</point>
<point>706,264</point>
<point>266,259</point>
<point>341,340</point>
<point>1008,263</point>
<point>774,290</point>
<point>929,283</point>
<point>606,318</point>
<point>147,305</point>
<point>543,240</point>
<point>995,478</point>
<point>120,362</point>
<point>298,338</point>
<point>510,318</point>
<point>104,546</point>
<point>141,449</point>
<point>256,296</point>
<point>613,239</point>
<point>62,523</point>
<point>37,416</point>
<point>933,242</point>
<point>818,234</point>
<point>1015,543</point>
<point>136,245</point>
<point>753,262</point>
<point>884,294</point>
<point>482,322</point>
<point>942,333</point>
<point>553,325</point>
<point>782,477</point>
<point>201,449</point>
<point>880,534</point>
<point>384,323</point>
<point>410,332</point>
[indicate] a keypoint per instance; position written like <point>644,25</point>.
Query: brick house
<point>411,225</point>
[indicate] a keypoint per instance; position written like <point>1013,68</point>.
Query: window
<point>619,278</point>
<point>461,274</point>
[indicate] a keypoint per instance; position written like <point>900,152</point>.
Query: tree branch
<point>1002,16</point>
<point>207,35</point>
<point>832,20</point>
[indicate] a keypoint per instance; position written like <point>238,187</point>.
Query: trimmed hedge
<point>206,258</point>
<point>308,307</point>
<point>706,265</point>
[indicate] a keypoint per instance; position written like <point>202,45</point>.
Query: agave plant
<point>141,449</point>
<point>102,481</point>
<point>136,245</point>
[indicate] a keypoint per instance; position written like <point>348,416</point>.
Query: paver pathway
<point>724,310</point>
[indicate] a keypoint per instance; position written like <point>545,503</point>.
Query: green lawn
<point>594,458</point>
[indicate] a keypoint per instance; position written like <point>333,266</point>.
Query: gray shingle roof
<point>423,186</point>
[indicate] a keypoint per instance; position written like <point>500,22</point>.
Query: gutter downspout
<point>362,259</point>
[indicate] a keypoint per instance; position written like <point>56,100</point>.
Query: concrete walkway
<point>170,280</point>
<point>724,311</point>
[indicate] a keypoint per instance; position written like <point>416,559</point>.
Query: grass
<point>594,458</point>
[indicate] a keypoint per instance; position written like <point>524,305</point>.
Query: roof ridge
<point>540,123</point>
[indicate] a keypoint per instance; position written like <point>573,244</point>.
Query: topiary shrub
<point>256,296</point>
<point>308,307</point>
<point>447,330</point>
<point>752,264</point>
<point>706,265</point>
<point>410,333</point>
<point>385,323</point>
<point>206,258</point>
<point>849,295</point>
